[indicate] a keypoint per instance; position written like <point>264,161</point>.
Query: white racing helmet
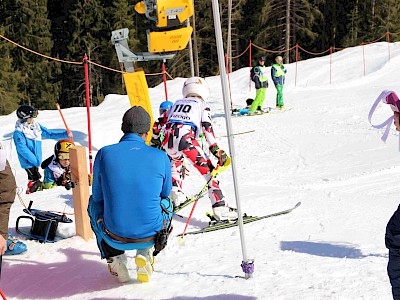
<point>196,86</point>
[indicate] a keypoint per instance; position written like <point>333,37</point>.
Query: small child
<point>157,137</point>
<point>57,168</point>
<point>246,110</point>
<point>28,143</point>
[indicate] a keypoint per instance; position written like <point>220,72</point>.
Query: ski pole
<point>65,123</point>
<point>214,173</point>
<point>2,295</point>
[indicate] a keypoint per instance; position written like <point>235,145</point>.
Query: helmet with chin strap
<point>196,86</point>
<point>61,149</point>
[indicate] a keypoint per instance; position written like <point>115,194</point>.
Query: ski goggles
<point>63,156</point>
<point>393,100</point>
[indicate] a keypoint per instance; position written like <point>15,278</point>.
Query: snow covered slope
<point>322,152</point>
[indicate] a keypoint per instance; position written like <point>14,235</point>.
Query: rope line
<point>107,68</point>
<point>40,54</point>
<point>245,50</point>
<point>314,53</point>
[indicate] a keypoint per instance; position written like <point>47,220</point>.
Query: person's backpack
<point>252,73</point>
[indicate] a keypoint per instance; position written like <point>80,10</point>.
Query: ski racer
<point>185,121</point>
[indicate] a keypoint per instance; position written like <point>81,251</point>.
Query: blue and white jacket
<point>28,142</point>
<point>129,180</point>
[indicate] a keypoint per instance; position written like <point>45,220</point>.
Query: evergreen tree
<point>29,26</point>
<point>9,78</point>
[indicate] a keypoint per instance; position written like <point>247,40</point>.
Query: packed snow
<point>321,151</point>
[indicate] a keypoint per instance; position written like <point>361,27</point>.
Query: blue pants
<point>108,246</point>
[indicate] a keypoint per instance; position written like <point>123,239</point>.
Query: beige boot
<point>117,267</point>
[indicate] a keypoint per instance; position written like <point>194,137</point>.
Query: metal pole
<point>229,42</point>
<point>250,66</point>
<point>196,51</point>
<point>190,52</point>
<point>85,64</point>
<point>247,265</point>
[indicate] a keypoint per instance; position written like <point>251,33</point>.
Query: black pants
<point>392,241</point>
<point>33,173</point>
<point>110,251</point>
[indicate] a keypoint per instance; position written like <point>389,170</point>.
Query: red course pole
<point>297,59</point>
<point>330,68</point>
<point>2,295</point>
<point>165,81</point>
<point>250,59</point>
<point>86,68</point>
<point>65,123</point>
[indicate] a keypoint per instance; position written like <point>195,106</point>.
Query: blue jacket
<point>129,180</point>
<point>280,79</point>
<point>30,150</point>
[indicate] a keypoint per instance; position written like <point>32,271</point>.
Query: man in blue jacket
<point>130,179</point>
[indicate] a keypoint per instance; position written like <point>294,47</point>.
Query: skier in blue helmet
<point>164,106</point>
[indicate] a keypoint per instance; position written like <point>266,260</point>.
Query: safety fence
<point>330,50</point>
<point>248,51</point>
<point>85,62</point>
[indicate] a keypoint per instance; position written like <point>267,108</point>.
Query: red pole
<point>165,81</point>
<point>65,123</point>
<point>388,41</point>
<point>86,68</point>
<point>363,56</point>
<point>297,59</point>
<point>2,295</point>
<point>330,68</point>
<point>250,60</point>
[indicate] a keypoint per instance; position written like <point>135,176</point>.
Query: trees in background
<point>68,29</point>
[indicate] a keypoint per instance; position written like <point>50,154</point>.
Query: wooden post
<point>80,194</point>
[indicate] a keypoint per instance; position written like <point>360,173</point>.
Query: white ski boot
<point>117,267</point>
<point>224,213</point>
<point>178,196</point>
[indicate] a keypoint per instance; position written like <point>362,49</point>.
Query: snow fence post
<point>80,193</point>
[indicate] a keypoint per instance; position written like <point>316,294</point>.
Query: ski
<point>246,219</point>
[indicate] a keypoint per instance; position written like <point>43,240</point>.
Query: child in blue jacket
<point>28,142</point>
<point>57,167</point>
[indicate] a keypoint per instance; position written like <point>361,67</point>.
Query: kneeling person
<point>130,180</point>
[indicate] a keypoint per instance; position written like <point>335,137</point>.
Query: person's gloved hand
<point>156,143</point>
<point>219,154</point>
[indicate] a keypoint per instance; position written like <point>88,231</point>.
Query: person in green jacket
<point>259,76</point>
<point>278,72</point>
